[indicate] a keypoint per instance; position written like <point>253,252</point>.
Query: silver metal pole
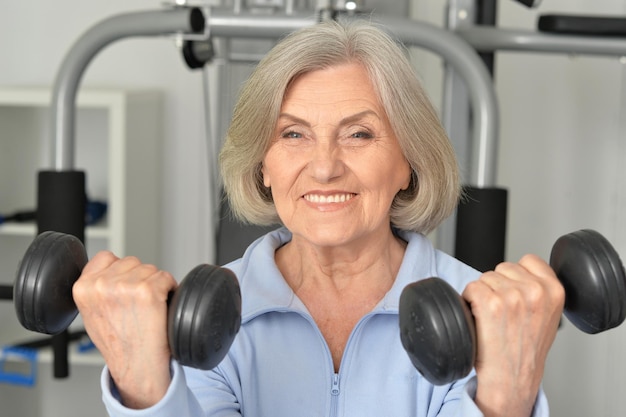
<point>151,23</point>
<point>467,63</point>
<point>225,23</point>
<point>486,39</point>
<point>455,116</point>
<point>455,106</point>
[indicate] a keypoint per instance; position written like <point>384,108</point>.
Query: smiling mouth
<point>334,198</point>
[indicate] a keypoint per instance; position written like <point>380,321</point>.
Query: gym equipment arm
<point>486,39</point>
<point>146,23</point>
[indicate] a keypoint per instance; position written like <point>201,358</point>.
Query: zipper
<point>334,390</point>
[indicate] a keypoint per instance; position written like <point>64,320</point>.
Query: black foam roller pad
<point>481,227</point>
<point>583,25</point>
<point>6,292</point>
<point>61,201</point>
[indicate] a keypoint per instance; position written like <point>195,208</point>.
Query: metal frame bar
<point>227,24</point>
<point>469,66</point>
<point>489,39</point>
<point>150,23</point>
<point>497,39</point>
<point>492,39</point>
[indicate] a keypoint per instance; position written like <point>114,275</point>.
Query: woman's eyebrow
<point>357,116</point>
<point>294,119</point>
<point>345,121</point>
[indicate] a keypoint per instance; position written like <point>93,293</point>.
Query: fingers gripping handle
<point>437,328</point>
<point>204,313</point>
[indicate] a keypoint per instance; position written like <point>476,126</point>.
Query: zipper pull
<point>335,388</point>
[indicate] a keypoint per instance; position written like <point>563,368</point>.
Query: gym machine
<point>200,28</point>
<point>477,235</point>
<point>61,191</point>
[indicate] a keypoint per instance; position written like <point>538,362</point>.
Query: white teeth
<point>337,198</point>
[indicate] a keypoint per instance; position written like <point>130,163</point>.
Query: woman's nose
<point>326,162</point>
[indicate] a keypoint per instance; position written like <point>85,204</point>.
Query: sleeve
<point>178,401</point>
<point>466,406</point>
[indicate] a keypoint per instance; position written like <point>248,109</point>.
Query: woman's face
<point>334,165</point>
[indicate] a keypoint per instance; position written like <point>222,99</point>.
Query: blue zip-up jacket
<point>280,366</point>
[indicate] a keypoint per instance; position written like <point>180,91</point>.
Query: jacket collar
<point>264,288</point>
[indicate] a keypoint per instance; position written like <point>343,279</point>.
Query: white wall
<point>563,146</point>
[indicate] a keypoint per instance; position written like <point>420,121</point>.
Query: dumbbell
<point>437,327</point>
<point>204,312</point>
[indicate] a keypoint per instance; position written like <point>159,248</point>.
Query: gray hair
<point>434,189</point>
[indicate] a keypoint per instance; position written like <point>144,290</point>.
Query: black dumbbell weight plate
<point>436,330</point>
<point>42,292</point>
<point>594,280</point>
<point>204,316</point>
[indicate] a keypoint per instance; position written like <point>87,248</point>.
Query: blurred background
<point>562,152</point>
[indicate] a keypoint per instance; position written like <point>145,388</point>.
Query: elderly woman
<point>334,138</point>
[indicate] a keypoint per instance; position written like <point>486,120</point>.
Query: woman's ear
<point>411,177</point>
<point>266,177</point>
<point>412,181</point>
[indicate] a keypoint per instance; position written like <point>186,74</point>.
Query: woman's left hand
<point>517,309</point>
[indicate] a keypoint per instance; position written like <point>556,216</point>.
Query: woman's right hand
<point>123,304</point>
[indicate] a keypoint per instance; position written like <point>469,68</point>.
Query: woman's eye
<point>291,135</point>
<point>362,135</point>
